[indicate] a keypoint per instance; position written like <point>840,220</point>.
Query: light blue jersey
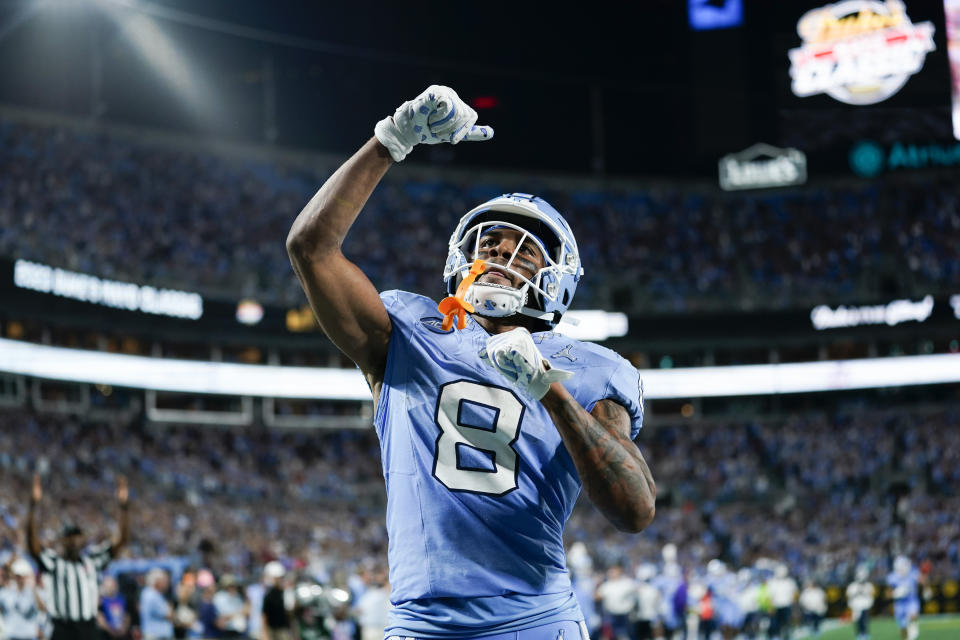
<point>726,609</point>
<point>906,602</point>
<point>667,584</point>
<point>479,483</point>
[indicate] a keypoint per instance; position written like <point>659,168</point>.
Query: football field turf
<point>931,628</point>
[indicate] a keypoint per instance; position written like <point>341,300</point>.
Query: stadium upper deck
<point>127,207</point>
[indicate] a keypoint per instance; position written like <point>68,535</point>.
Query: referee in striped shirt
<point>73,576</point>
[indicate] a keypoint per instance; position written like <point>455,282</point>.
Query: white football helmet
<point>579,560</point>
<point>716,567</point>
<point>669,552</point>
<point>901,565</point>
<point>646,572</point>
<point>547,295</point>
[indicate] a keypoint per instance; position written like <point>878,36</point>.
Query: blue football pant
<point>564,630</point>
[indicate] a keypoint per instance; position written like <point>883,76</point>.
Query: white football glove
<point>436,115</point>
<point>517,358</point>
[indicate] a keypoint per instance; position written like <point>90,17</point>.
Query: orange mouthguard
<point>456,305</point>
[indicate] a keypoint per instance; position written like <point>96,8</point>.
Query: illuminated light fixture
<point>301,319</point>
<point>593,325</point>
<point>168,58</point>
<point>714,14</point>
<point>164,374</point>
<point>485,102</point>
<point>249,312</point>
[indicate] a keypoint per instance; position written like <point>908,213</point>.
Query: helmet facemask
<point>544,295</point>
<point>499,300</point>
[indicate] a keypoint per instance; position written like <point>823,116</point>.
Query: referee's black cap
<point>70,529</point>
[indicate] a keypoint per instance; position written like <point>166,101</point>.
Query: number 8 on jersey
<point>477,421</point>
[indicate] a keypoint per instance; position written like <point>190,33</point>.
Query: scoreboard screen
<point>951,10</point>
<point>864,71</point>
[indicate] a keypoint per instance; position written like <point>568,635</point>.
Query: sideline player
<point>648,602</point>
<point>782,589</point>
<point>487,432</point>
<point>860,597</point>
<point>905,580</point>
<point>723,585</point>
<point>672,586</point>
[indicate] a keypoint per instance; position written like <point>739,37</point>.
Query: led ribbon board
<point>163,374</point>
<point>890,314</point>
<point>108,293</point>
<point>951,9</point>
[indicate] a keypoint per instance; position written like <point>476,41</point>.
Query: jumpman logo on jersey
<point>565,353</point>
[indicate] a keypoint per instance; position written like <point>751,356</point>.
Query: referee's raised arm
<point>73,576</point>
<point>33,541</point>
<point>122,536</point>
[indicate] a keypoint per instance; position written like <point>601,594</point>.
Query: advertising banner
<point>858,51</point>
<point>762,166</point>
<point>951,9</point>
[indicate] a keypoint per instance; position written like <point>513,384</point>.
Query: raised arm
<point>347,305</point>
<point>122,536</point>
<point>344,300</point>
<point>33,540</point>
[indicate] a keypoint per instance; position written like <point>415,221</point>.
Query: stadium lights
<point>593,325</point>
<point>156,47</point>
<point>164,374</point>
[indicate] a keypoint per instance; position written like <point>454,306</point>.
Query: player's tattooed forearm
<point>613,471</point>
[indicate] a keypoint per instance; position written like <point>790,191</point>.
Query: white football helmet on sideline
<point>902,565</point>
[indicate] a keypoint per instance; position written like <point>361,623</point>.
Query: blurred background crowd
<point>820,493</point>
<point>206,221</point>
<point>233,499</point>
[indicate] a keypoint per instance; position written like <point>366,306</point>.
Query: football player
<point>723,585</point>
<point>489,422</point>
<point>860,598</point>
<point>672,587</point>
<point>904,580</point>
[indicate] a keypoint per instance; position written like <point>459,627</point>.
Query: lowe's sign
<point>868,158</point>
<point>762,166</point>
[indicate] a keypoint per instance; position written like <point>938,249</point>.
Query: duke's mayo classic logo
<point>858,51</point>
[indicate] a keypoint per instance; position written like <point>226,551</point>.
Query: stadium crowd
<point>822,493</point>
<point>134,210</point>
<point>818,494</point>
<point>280,602</point>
